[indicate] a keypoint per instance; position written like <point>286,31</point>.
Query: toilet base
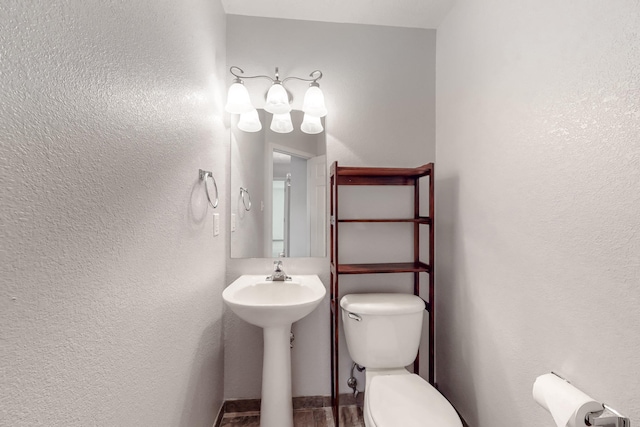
<point>402,398</point>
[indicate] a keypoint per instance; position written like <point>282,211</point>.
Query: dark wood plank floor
<point>350,416</point>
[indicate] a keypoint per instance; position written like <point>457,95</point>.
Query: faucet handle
<point>277,266</point>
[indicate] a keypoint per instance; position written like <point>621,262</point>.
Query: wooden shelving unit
<point>340,176</point>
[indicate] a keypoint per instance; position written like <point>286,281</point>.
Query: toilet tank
<point>382,330</point>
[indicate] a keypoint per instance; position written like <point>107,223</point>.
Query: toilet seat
<point>408,401</point>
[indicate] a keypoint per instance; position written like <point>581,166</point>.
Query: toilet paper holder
<point>607,417</point>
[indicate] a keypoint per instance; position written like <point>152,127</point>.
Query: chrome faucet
<point>278,273</point>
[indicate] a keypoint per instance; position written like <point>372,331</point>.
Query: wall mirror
<point>278,192</point>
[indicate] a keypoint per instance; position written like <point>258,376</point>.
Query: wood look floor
<point>350,416</point>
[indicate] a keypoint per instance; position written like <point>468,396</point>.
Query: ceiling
<point>397,13</point>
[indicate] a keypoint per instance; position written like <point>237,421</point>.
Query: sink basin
<point>265,303</point>
<point>274,306</point>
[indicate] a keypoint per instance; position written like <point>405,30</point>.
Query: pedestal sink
<point>274,306</point>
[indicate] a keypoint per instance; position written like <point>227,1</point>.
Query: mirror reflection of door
<point>278,218</point>
<point>298,205</point>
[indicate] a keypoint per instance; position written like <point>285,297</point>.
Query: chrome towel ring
<point>203,176</point>
<point>245,201</point>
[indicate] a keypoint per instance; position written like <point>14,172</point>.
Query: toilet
<point>383,334</point>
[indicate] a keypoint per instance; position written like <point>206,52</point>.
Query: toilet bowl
<point>383,335</point>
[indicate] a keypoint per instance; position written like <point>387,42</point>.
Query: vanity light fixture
<point>281,123</point>
<point>311,124</point>
<point>250,122</point>
<point>277,103</point>
<point>238,101</point>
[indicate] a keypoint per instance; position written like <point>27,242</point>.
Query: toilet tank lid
<point>382,304</point>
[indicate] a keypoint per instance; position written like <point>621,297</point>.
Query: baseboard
<point>348,399</point>
<point>219,417</point>
<point>241,405</point>
<point>253,405</point>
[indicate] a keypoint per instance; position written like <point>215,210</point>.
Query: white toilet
<point>383,334</point>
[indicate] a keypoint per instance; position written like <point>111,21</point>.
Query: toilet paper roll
<point>568,405</point>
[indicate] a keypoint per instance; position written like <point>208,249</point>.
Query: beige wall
<point>111,278</point>
<point>538,154</point>
<point>379,85</point>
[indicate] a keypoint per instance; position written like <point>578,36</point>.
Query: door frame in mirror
<point>268,190</point>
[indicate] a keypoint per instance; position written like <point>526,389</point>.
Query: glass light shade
<point>311,125</point>
<point>277,100</point>
<point>313,103</point>
<point>238,101</point>
<point>281,123</point>
<point>250,122</point>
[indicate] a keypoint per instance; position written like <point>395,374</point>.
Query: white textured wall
<point>110,307</point>
<point>538,229</point>
<point>379,85</point>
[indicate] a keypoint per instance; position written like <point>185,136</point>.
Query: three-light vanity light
<point>278,103</point>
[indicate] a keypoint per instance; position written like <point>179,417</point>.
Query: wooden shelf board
<point>347,175</point>
<point>421,220</point>
<point>423,170</point>
<point>394,267</point>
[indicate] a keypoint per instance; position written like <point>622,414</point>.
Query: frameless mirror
<point>278,192</point>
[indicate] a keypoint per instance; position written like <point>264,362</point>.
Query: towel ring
<point>203,176</point>
<point>244,191</point>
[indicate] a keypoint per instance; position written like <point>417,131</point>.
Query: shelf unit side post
<point>432,302</point>
<point>416,253</point>
<point>335,385</point>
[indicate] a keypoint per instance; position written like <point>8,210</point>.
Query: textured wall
<point>538,153</point>
<point>110,276</point>
<point>377,117</point>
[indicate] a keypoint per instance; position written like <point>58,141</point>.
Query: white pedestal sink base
<point>276,409</point>
<point>274,306</point>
